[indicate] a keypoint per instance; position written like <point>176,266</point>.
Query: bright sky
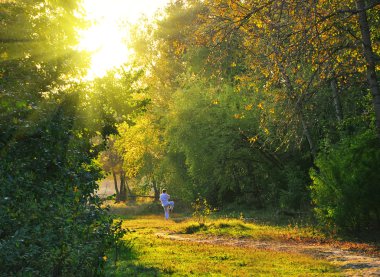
<point>105,39</point>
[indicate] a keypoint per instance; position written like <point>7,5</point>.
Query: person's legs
<point>166,209</point>
<point>171,205</point>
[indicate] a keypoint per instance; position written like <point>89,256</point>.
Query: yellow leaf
<point>253,139</point>
<point>248,107</point>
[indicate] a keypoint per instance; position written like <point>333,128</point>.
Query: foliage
<point>245,95</point>
<point>51,221</point>
<point>111,161</point>
<point>141,148</point>
<point>295,47</point>
<point>227,153</point>
<point>294,195</point>
<point>345,187</point>
<point>113,99</point>
<point>202,210</point>
<point>119,245</point>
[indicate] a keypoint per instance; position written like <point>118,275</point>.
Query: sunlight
<point>107,38</point>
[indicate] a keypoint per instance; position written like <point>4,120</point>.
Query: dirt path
<point>353,263</point>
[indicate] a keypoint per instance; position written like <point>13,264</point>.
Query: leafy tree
<point>223,66</point>
<point>159,49</point>
<point>298,46</point>
<point>114,99</point>
<point>51,221</point>
<point>112,162</point>
<point>142,148</point>
<point>345,185</point>
<point>294,51</point>
<point>224,163</point>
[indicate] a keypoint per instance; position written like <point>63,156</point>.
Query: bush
<point>345,187</point>
<point>202,210</point>
<point>51,222</point>
<point>296,195</point>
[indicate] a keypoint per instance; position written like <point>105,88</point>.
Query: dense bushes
<point>346,184</point>
<point>51,223</point>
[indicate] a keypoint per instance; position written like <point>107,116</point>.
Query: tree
<point>142,147</point>
<point>112,100</point>
<point>299,45</point>
<point>159,49</point>
<point>193,60</point>
<point>112,162</point>
<point>348,201</point>
<point>51,221</point>
<point>225,164</point>
<point>370,57</point>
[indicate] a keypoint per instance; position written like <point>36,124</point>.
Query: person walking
<point>166,204</point>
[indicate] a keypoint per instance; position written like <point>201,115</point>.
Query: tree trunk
<point>123,191</point>
<point>370,60</point>
<point>308,137</point>
<point>132,197</point>
<point>116,188</point>
<point>156,191</point>
<point>337,103</point>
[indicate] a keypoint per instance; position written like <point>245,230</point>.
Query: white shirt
<point>164,198</point>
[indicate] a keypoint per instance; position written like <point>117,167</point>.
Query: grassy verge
<point>159,256</point>
<point>239,229</point>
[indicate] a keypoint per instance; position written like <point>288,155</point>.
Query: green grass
<point>239,229</point>
<point>159,256</point>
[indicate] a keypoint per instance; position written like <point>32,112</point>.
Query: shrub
<point>201,210</point>
<point>51,221</point>
<point>296,195</point>
<point>346,185</point>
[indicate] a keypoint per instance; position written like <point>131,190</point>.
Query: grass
<point>154,255</point>
<point>239,229</point>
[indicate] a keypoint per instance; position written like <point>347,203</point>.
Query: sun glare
<point>106,38</point>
